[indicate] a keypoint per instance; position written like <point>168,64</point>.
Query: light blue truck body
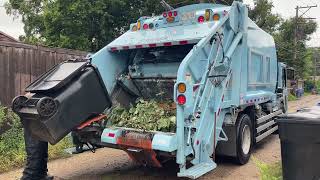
<point>231,69</point>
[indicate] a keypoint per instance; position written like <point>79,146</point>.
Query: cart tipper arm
<point>198,121</point>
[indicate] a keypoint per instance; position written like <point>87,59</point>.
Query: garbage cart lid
<point>58,76</point>
<point>304,116</point>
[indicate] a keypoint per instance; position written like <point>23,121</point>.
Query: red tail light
<point>111,135</point>
<point>175,13</point>
<point>167,44</point>
<point>170,14</point>
<point>181,99</point>
<point>200,19</point>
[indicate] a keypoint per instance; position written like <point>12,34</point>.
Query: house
<point>6,37</point>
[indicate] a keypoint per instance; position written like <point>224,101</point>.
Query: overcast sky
<point>284,7</point>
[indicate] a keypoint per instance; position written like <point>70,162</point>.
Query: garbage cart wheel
<point>18,102</point>
<point>244,139</point>
<point>47,107</point>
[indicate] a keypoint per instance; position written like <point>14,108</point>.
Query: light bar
<point>152,45</point>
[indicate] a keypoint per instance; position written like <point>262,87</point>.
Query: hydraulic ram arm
<point>199,120</point>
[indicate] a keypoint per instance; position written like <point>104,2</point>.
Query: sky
<point>286,8</point>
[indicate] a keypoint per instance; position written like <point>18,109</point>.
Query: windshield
<point>162,54</point>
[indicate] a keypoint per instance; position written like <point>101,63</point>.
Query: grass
<point>12,148</point>
<point>57,151</point>
<point>307,94</point>
<point>292,97</point>
<point>269,171</point>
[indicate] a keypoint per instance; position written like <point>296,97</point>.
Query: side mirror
<point>290,74</point>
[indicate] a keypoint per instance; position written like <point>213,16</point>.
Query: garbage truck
<point>220,69</point>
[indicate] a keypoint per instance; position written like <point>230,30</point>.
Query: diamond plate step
<point>197,170</point>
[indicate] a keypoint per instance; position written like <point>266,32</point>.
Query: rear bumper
<point>160,141</point>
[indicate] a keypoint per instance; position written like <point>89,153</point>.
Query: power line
<point>297,18</point>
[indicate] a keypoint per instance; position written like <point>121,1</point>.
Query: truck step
<point>198,170</point>
<point>267,133</point>
<point>269,116</point>
<point>265,126</point>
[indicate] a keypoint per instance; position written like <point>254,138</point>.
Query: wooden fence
<point>20,64</point>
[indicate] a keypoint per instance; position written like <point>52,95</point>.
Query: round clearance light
<point>175,13</point>
<point>200,19</point>
<point>134,28</point>
<point>216,17</point>
<point>145,26</point>
<point>181,99</point>
<point>170,14</point>
<point>182,88</point>
<point>151,26</point>
<point>165,15</point>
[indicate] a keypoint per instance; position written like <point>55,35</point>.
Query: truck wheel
<point>244,138</point>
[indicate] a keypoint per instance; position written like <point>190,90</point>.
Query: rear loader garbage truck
<point>217,65</point>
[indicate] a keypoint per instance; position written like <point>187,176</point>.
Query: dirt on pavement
<point>115,164</point>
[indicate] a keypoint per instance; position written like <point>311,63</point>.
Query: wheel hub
<point>246,139</point>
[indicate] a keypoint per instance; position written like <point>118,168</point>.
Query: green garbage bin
<point>300,144</point>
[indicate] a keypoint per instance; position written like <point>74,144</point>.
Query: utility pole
<point>296,29</point>
<point>315,67</point>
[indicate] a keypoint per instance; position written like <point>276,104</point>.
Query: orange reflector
<point>216,17</point>
<point>207,15</point>
<point>139,25</point>
<point>170,19</point>
<point>182,88</point>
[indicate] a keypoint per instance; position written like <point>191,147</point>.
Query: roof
<point>6,37</point>
<point>185,28</point>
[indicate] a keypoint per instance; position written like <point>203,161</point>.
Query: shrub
<point>292,97</point>
<point>145,115</point>
<point>7,119</point>
<point>12,153</point>
<point>318,86</point>
<point>12,148</point>
<point>308,85</point>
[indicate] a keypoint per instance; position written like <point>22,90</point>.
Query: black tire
<point>244,125</point>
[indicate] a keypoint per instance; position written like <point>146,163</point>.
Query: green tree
<point>284,38</point>
<point>90,24</point>
<point>262,14</point>
<point>82,24</point>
